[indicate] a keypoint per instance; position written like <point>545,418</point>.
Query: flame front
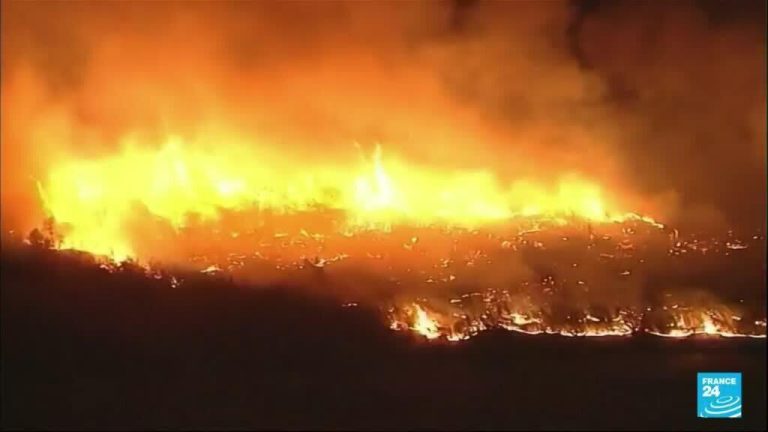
<point>98,203</point>
<point>101,205</point>
<point>456,327</point>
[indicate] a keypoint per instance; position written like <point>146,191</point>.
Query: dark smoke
<point>686,83</point>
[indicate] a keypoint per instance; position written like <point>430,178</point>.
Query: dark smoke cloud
<point>665,99</point>
<point>686,84</point>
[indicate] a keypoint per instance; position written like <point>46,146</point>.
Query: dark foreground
<point>84,348</point>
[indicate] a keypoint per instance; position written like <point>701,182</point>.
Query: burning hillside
<point>460,167</point>
<point>464,214</point>
<point>564,275</point>
<point>96,204</point>
<point>446,254</point>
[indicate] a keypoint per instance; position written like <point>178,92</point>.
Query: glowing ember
<point>686,321</point>
<point>445,264</point>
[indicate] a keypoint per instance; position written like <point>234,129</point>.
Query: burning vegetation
<point>455,170</point>
<point>443,254</point>
<point>97,203</point>
<point>543,274</point>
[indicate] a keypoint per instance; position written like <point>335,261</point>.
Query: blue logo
<point>719,394</point>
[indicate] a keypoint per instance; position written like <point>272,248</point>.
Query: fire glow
<point>498,183</point>
<point>382,224</point>
<point>384,209</point>
<point>456,327</point>
<point>95,201</point>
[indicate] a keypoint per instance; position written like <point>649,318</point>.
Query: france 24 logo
<point>719,394</point>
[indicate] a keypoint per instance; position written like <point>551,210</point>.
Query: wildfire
<point>98,204</point>
<point>705,322</point>
<point>694,322</point>
<point>381,208</point>
<point>231,155</point>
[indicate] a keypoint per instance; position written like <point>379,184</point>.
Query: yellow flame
<point>100,201</point>
<point>424,324</point>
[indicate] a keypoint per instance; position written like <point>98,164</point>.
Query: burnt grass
<point>84,348</point>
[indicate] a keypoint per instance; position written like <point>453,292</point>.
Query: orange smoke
<point>266,109</point>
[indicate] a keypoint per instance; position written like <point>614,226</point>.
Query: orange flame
<point>96,201</point>
<point>693,322</point>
